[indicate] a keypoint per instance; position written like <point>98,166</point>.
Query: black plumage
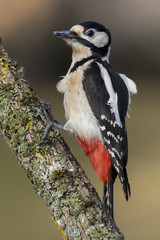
<point>98,98</point>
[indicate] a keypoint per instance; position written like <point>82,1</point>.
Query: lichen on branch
<point>54,172</point>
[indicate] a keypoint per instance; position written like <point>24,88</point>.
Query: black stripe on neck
<point>84,60</point>
<point>80,63</point>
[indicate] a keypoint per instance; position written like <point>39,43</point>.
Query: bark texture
<point>54,172</point>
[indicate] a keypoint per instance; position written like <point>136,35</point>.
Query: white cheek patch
<point>100,39</point>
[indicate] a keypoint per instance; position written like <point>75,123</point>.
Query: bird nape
<point>96,100</point>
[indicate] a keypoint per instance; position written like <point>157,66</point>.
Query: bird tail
<point>108,197</point>
<point>108,190</point>
<point>125,184</point>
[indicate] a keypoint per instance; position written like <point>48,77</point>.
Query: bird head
<point>90,36</point>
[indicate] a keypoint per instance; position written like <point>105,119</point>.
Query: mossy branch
<point>54,172</point>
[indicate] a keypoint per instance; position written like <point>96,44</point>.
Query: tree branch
<point>54,172</point>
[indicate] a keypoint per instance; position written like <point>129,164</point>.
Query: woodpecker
<point>96,100</point>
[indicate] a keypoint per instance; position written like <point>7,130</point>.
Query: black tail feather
<point>108,197</point>
<point>125,185</point>
<point>108,190</point>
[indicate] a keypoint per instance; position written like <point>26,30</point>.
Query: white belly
<point>80,118</point>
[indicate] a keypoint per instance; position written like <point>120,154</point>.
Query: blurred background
<point>26,29</point>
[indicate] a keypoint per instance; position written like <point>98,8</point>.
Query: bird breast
<point>80,118</point>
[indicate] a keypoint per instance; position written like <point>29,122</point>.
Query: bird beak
<point>65,34</point>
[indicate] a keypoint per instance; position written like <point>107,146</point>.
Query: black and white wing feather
<point>108,97</point>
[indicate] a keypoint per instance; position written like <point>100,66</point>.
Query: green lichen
<point>76,182</point>
<point>74,233</point>
<point>86,180</point>
<point>102,233</point>
<point>75,207</point>
<point>48,198</point>
<point>88,202</point>
<point>8,86</point>
<point>76,204</point>
<point>72,188</point>
<point>28,97</point>
<point>98,233</point>
<point>36,177</point>
<point>51,134</point>
<point>56,175</point>
<point>60,191</point>
<point>56,209</point>
<point>94,214</point>
<point>24,121</point>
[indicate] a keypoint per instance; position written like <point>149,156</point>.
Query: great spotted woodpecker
<point>96,100</point>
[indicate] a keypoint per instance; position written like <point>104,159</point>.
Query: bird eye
<point>90,33</point>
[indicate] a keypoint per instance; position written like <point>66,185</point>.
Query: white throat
<point>80,52</point>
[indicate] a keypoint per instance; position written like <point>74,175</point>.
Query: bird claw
<point>46,115</point>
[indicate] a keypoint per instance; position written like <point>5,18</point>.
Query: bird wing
<point>107,95</point>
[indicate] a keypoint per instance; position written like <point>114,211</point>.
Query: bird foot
<point>46,115</point>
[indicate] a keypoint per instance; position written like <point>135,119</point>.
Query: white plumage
<point>80,118</point>
<point>113,100</point>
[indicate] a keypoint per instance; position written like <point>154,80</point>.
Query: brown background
<point>26,29</point>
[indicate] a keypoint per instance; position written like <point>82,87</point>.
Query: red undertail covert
<point>99,157</point>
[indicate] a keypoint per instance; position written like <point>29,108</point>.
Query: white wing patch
<point>130,84</point>
<point>113,100</point>
<point>132,88</point>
